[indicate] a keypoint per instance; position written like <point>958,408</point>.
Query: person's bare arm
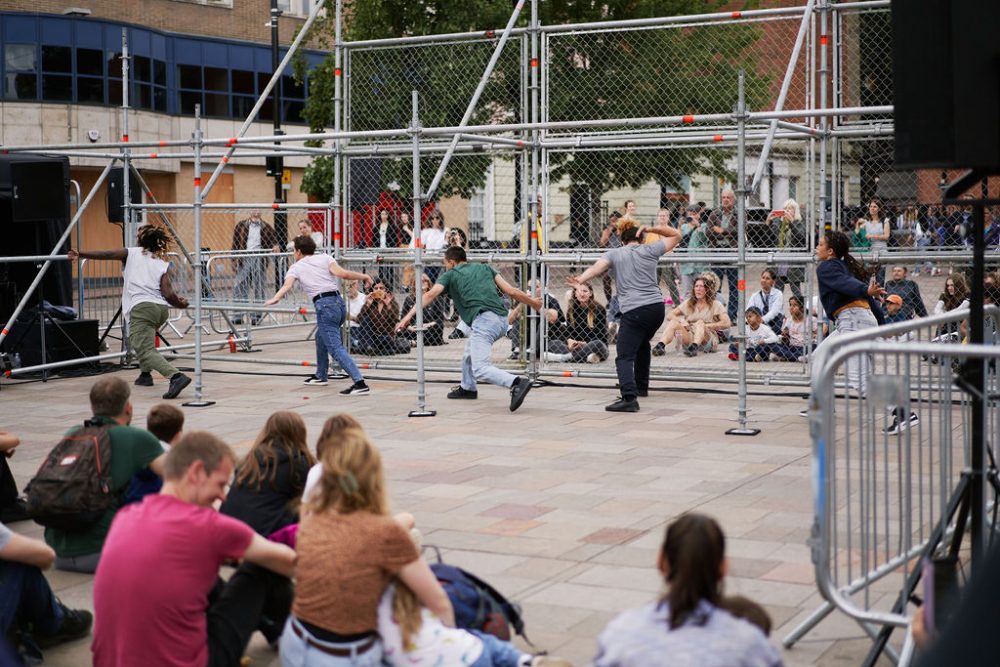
<point>120,254</point>
<point>516,294</point>
<point>428,299</point>
<point>280,294</point>
<point>8,442</point>
<point>671,236</point>
<point>169,295</point>
<point>271,555</point>
<point>421,580</point>
<point>21,549</point>
<point>596,269</point>
<point>344,274</point>
<point>156,465</point>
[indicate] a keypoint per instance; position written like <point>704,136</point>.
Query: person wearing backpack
<point>27,600</point>
<point>78,547</point>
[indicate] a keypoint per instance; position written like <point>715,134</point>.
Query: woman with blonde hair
<point>270,479</point>
<point>696,323</point>
<point>349,548</point>
<point>791,234</point>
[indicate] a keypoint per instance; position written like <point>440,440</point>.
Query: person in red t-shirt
<point>157,595</point>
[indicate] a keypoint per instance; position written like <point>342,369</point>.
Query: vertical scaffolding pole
<point>418,263</point>
<point>534,332</point>
<point>131,232</point>
<point>741,262</point>
<point>338,92</point>
<point>199,401</point>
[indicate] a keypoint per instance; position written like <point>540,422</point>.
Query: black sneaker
<point>76,624</point>
<point>144,380</point>
<point>691,350</point>
<point>462,392</point>
<point>623,405</point>
<point>16,511</point>
<point>659,350</point>
<point>315,381</point>
<point>456,334</point>
<point>899,425</point>
<point>177,384</point>
<point>359,388</point>
<point>518,391</point>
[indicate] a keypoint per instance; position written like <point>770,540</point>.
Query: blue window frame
<point>58,59</point>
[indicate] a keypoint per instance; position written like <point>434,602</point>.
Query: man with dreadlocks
<point>145,298</point>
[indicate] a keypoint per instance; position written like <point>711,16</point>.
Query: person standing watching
<point>320,277</point>
<point>913,302</point>
<point>634,268</point>
<point>252,235</point>
<point>145,297</point>
<point>721,232</point>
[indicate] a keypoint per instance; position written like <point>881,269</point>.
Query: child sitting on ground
<point>411,635</point>
<point>166,422</point>
<point>760,338</point>
<point>793,336</point>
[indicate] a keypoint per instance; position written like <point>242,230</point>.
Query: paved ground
<point>561,505</point>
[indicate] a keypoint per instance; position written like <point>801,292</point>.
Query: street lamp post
<point>280,220</point>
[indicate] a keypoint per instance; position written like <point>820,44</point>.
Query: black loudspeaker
<point>366,181</point>
<point>116,194</point>
<point>34,214</point>
<point>64,341</point>
<point>946,83</point>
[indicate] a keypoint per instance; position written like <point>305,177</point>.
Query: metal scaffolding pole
<point>418,263</point>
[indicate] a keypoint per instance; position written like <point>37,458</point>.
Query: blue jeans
<point>330,315</point>
<point>296,652</point>
<point>25,596</point>
<point>487,328</point>
<point>496,652</point>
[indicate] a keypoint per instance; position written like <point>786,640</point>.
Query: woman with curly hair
<point>641,302</point>
<point>695,324</point>
<point>147,293</point>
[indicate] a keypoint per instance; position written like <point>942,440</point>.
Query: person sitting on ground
<point>792,346</point>
<point>333,430</point>
<point>434,316</point>
<point>28,602</point>
<point>13,507</point>
<point>688,623</point>
<point>166,422</point>
<point>349,548</point>
<point>378,319</point>
<point>473,289</point>
<point>895,310</point>
<point>584,333</point>
<point>694,324</point>
<point>760,338</point>
<point>356,300</point>
<point>270,479</point>
<point>769,301</point>
<point>132,449</point>
<point>553,314</point>
<point>909,293</point>
<point>412,635</point>
<point>955,296</point>
<point>157,595</point>
<point>146,294</point>
<point>743,607</point>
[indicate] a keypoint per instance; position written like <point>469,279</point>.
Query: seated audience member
<point>743,607</point>
<point>355,302</point>
<point>695,323</point>
<point>954,297</point>
<point>333,430</point>
<point>688,623</point>
<point>158,599</point>
<point>769,301</point>
<point>434,315</point>
<point>349,548</point>
<point>269,481</point>
<point>515,313</point>
<point>166,422</point>
<point>31,616</point>
<point>132,449</point>
<point>894,310</point>
<point>412,635</point>
<point>378,319</point>
<point>792,346</point>
<point>583,336</point>
<point>760,338</point>
<point>13,508</point>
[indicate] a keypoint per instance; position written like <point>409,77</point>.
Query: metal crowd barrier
<point>884,499</point>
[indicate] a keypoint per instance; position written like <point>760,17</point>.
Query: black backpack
<point>477,605</point>
<point>72,488</point>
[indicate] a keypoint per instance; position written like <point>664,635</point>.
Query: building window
<point>477,215</point>
<point>793,187</point>
<point>300,8</point>
<point>228,4</point>
<point>20,78</point>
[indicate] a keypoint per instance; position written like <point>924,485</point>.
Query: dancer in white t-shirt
<point>146,295</point>
<point>320,277</point>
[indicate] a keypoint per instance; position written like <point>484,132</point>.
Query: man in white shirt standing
<point>320,277</point>
<point>146,295</point>
<point>252,235</point>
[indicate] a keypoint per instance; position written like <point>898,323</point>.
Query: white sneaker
<point>315,381</point>
<point>593,358</point>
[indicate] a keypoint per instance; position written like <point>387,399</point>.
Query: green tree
<point>592,75</point>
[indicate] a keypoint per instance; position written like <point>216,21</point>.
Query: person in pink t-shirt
<point>158,599</point>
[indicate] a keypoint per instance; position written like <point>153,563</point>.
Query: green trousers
<point>144,321</point>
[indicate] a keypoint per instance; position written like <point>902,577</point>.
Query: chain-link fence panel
<point>861,61</point>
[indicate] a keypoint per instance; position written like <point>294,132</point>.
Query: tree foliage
<point>620,74</point>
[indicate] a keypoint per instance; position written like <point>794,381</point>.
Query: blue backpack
<point>478,606</point>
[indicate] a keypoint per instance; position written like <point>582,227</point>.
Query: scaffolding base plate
<point>198,404</point>
<point>743,431</point>
<point>422,413</point>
